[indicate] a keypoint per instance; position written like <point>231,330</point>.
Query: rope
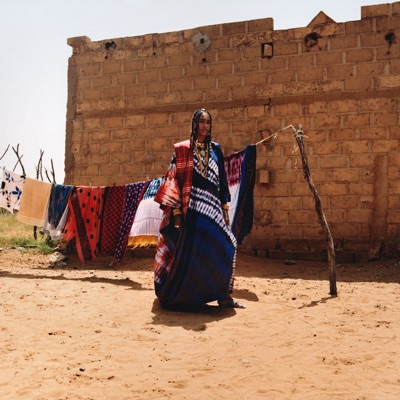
<point>275,134</point>
<point>296,132</point>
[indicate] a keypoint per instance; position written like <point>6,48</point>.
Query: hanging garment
<point>56,232</point>
<point>57,212</point>
<point>146,225</point>
<point>58,202</point>
<point>11,190</point>
<point>114,198</point>
<point>233,167</point>
<point>195,265</point>
<point>85,205</point>
<point>241,172</point>
<point>34,202</point>
<point>133,195</point>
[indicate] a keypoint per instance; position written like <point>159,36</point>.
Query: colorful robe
<point>194,265</point>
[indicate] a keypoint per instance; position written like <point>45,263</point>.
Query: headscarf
<point>195,126</point>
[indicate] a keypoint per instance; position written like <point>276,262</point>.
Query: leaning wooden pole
<point>318,206</point>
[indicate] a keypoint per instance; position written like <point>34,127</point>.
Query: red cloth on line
<point>83,224</point>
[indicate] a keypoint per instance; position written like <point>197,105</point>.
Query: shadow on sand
<point>194,320</point>
<point>92,279</point>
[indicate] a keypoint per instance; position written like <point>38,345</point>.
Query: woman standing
<point>196,252</point>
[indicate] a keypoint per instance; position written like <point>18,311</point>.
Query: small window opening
<point>267,50</point>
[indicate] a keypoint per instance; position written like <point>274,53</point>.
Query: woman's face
<point>204,127</point>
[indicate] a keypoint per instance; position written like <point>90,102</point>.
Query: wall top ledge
<point>78,41</point>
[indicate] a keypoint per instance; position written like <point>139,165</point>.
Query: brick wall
<point>340,81</point>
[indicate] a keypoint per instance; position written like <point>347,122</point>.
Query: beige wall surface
<point>131,98</point>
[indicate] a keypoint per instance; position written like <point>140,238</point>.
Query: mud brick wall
<point>131,98</point>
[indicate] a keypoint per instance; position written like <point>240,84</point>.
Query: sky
<point>34,54</point>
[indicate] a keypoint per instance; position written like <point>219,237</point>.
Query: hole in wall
<point>389,38</point>
<point>311,40</point>
<point>267,50</point>
<point>110,47</point>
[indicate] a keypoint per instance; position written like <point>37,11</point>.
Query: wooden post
<point>318,206</point>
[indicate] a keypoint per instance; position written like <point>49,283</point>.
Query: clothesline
<point>103,219</point>
<point>299,131</point>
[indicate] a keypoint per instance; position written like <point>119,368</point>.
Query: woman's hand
<point>225,212</point>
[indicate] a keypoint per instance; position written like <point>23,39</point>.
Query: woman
<point>196,251</point>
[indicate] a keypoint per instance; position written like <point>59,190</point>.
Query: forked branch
<point>318,207</point>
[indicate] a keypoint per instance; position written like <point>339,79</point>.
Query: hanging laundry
<point>133,195</point>
<point>34,202</point>
<point>85,205</point>
<point>57,211</point>
<point>58,202</point>
<point>107,220</point>
<point>146,225</point>
<point>56,232</point>
<point>233,168</point>
<point>244,214</point>
<point>114,198</point>
<point>11,190</point>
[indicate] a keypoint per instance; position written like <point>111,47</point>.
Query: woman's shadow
<point>197,319</point>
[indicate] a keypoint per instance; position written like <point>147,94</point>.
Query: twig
<point>5,152</point>
<point>16,151</point>
<point>53,174</point>
<point>39,173</point>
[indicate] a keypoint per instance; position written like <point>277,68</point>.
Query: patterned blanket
<point>11,190</point>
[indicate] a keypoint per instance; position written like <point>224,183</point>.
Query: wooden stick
<point>318,206</point>
<point>16,151</point>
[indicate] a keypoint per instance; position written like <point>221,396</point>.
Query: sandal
<point>230,302</point>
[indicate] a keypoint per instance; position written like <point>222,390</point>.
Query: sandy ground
<point>95,332</point>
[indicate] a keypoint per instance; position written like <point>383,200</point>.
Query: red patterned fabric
<point>184,171</point>
<point>83,225</point>
<point>175,188</point>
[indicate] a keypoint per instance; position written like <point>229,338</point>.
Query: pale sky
<point>34,53</point>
